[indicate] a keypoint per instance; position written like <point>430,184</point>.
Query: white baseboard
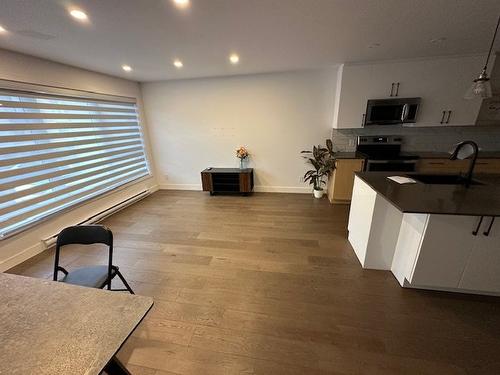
<point>282,189</point>
<point>258,189</point>
<point>180,187</point>
<point>18,258</point>
<point>154,188</point>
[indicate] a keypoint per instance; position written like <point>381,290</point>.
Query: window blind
<point>59,151</point>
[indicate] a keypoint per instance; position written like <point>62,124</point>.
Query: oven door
<point>391,165</point>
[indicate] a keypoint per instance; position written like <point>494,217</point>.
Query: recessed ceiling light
<point>234,58</point>
<point>2,29</point>
<point>181,3</point>
<point>178,63</point>
<point>78,14</point>
<point>127,68</point>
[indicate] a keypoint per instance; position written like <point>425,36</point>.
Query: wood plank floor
<point>268,284</point>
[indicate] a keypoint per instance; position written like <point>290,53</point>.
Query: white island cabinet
<point>373,227</point>
<point>432,250</point>
<point>482,269</point>
<point>448,252</point>
<point>458,253</point>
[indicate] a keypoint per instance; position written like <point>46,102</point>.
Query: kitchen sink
<point>442,179</point>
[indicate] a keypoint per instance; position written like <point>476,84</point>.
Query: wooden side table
<point>227,180</point>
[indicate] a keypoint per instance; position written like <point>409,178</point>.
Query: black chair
<point>93,276</point>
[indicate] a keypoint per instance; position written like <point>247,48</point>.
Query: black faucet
<point>454,156</point>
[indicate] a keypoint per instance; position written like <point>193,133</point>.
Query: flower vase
<point>241,164</point>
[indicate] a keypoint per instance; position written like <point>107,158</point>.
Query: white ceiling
<point>269,35</point>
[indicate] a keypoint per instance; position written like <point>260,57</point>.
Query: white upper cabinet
<point>441,83</point>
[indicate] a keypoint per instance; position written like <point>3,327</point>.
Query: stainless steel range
<point>383,153</point>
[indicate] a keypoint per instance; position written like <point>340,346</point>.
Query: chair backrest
<point>84,235</point>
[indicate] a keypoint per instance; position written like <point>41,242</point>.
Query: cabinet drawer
<point>442,166</point>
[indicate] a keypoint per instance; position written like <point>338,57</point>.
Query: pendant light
<point>481,86</point>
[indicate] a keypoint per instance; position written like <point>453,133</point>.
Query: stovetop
<point>383,148</point>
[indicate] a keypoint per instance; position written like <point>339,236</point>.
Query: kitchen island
<point>430,236</point>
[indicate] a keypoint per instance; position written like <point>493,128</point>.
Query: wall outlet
<point>352,142</point>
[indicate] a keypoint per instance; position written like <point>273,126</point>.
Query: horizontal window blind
<point>59,151</point>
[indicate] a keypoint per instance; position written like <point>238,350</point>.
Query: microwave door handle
<point>404,114</point>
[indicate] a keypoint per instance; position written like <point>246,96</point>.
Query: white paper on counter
<point>402,179</point>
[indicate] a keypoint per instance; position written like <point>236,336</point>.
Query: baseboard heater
<point>51,241</point>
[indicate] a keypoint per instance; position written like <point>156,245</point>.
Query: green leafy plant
<point>323,161</point>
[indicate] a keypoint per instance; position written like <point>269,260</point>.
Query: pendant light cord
<point>492,43</point>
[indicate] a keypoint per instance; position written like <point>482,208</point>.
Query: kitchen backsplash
<point>422,139</point>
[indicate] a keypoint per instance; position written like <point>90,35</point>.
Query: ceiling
<point>269,35</point>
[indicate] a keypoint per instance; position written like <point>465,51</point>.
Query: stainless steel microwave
<point>392,111</point>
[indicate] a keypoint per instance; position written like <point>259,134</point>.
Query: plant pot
<point>318,193</point>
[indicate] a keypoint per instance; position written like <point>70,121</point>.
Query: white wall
<point>198,123</point>
<point>18,67</point>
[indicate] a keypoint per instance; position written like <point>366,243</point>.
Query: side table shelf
<point>227,180</point>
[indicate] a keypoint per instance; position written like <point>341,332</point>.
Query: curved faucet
<point>475,151</point>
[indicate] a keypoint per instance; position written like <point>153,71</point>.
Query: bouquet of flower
<point>242,153</point>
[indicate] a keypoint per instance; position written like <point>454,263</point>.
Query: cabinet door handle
<point>397,89</point>
<point>448,118</point>
<point>392,89</point>
<point>487,231</point>
<point>363,120</point>
<point>442,117</point>
<point>404,115</point>
<point>474,233</point>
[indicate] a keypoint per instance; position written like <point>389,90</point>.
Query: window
<point>59,151</point>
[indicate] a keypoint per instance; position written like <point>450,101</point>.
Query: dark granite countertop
<point>47,327</point>
<point>349,155</point>
<point>420,154</point>
<point>446,155</point>
<point>226,170</point>
<point>477,200</point>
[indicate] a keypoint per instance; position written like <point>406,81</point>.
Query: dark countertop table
<point>48,327</point>
<point>227,170</point>
<point>477,200</point>
<point>420,154</point>
<point>446,155</point>
<point>349,155</point>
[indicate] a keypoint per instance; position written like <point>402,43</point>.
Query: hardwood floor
<point>268,284</point>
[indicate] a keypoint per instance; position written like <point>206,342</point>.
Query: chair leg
<point>124,282</point>
<point>115,367</point>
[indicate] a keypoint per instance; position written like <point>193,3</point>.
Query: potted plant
<point>323,161</point>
